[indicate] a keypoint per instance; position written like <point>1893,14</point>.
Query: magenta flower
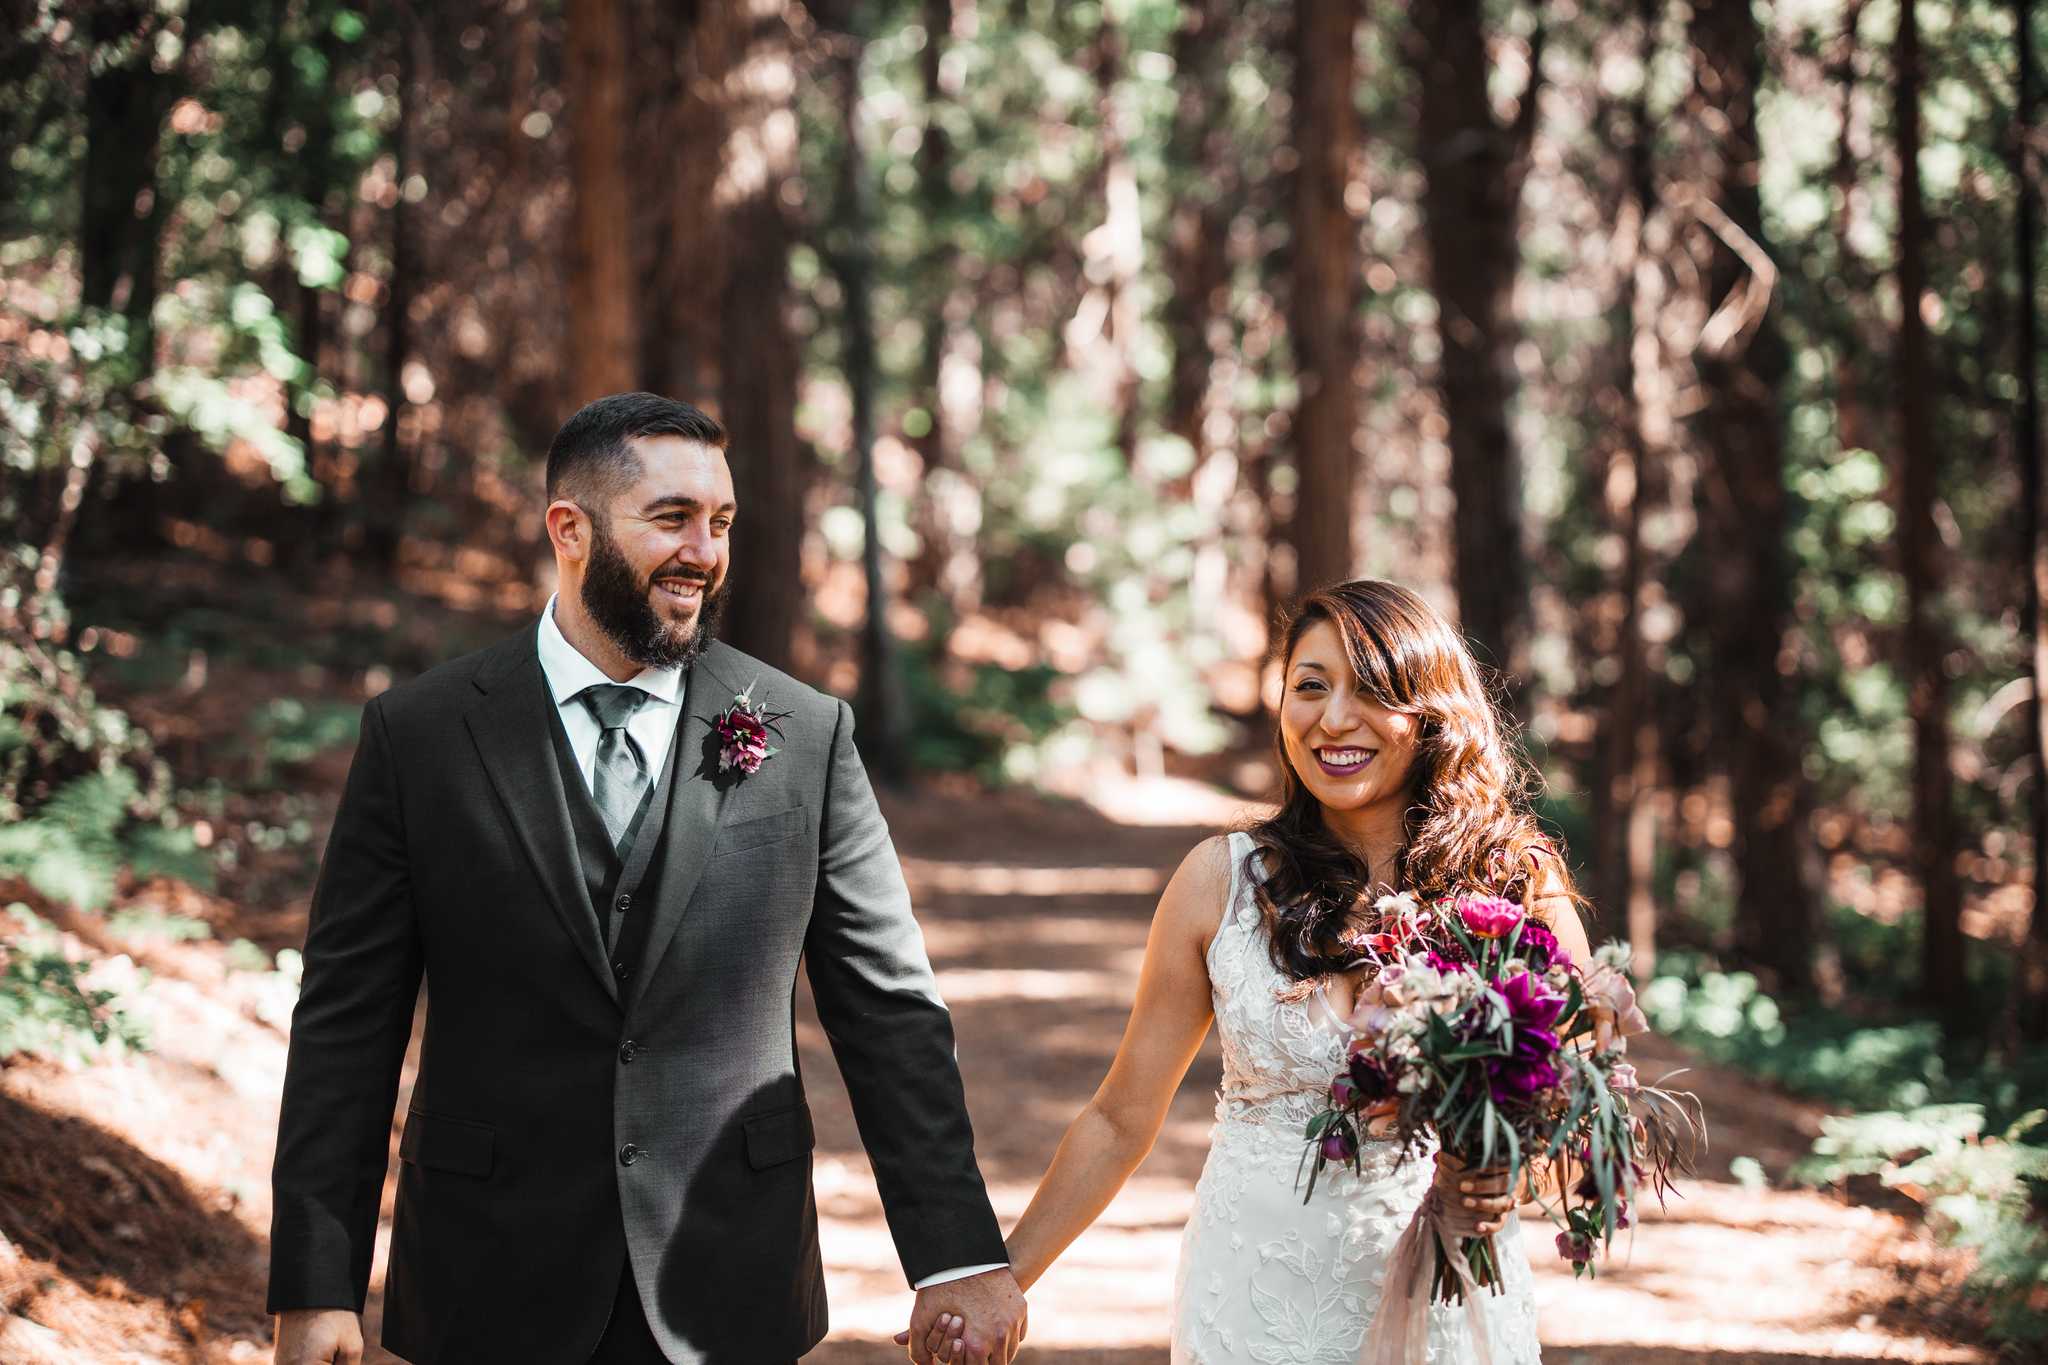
<point>1532,1067</point>
<point>1575,1247</point>
<point>1539,945</point>
<point>1338,1146</point>
<point>1489,916</point>
<point>743,732</point>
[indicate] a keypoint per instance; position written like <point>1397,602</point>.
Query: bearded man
<point>606,844</point>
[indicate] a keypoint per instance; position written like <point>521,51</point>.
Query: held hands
<point>978,1320</point>
<point>319,1336</point>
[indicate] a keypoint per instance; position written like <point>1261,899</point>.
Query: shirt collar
<point>569,672</point>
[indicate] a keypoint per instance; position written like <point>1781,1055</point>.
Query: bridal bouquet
<point>1467,1034</point>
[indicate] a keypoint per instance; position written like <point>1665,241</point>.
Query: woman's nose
<point>1341,714</point>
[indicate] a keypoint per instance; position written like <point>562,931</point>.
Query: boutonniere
<point>743,730</point>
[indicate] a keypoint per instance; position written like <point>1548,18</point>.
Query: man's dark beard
<point>623,607</point>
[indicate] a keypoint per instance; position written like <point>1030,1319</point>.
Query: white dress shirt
<point>568,673</point>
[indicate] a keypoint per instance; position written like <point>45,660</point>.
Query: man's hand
<point>319,1336</point>
<point>979,1320</point>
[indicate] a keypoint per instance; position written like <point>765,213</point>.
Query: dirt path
<point>1035,914</point>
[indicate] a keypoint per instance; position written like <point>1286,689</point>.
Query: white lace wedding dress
<point>1265,1277</point>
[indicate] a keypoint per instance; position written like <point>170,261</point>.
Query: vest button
<point>625,904</point>
<point>627,1050</point>
<point>629,1154</point>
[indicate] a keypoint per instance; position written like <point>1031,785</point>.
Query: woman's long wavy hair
<point>1469,827</point>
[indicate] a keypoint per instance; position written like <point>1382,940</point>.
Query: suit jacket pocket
<point>444,1144</point>
<point>778,1136</point>
<point>764,829</point>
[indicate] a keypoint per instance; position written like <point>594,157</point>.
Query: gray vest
<point>612,878</point>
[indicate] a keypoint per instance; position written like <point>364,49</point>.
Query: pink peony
<point>1489,916</point>
<point>1608,991</point>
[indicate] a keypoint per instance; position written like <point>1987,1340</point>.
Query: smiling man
<point>607,1154</point>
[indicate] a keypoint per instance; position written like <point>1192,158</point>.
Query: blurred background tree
<point>1685,352</point>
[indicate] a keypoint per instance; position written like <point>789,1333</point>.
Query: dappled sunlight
<point>1000,879</point>
<point>961,986</point>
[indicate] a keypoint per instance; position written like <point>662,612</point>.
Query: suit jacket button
<point>629,1154</point>
<point>627,1049</point>
<point>621,970</point>
<point>625,904</point>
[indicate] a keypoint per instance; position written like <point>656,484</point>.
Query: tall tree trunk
<point>2028,429</point>
<point>881,696</point>
<point>602,352</point>
<point>1934,836</point>
<point>122,209</point>
<point>681,246</point>
<point>391,479</point>
<point>1743,516</point>
<point>1195,259</point>
<point>1323,291</point>
<point>1634,481</point>
<point>759,385</point>
<point>1474,169</point>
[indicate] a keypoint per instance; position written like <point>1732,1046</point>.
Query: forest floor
<point>134,1196</point>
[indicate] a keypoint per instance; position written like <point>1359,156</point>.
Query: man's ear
<point>569,530</point>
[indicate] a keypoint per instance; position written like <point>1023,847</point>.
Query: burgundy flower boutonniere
<point>743,731</point>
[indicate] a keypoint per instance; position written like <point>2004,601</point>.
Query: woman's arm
<point>1114,1132</point>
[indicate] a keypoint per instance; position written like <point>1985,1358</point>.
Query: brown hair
<point>1470,827</point>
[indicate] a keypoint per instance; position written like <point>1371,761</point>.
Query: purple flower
<point>1369,1084</point>
<point>1575,1247</point>
<point>1341,1091</point>
<point>1539,945</point>
<point>1531,1002</point>
<point>1532,1067</point>
<point>1338,1146</point>
<point>1488,916</point>
<point>743,735</point>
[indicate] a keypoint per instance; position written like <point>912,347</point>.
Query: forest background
<point>1686,353</point>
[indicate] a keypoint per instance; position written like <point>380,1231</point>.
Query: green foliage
<point>45,1007</point>
<point>974,727</point>
<point>1983,1191</point>
<point>288,731</point>
<point>1920,1111</point>
<point>73,846</point>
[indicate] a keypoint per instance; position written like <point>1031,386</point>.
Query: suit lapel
<point>509,723</point>
<point>697,803</point>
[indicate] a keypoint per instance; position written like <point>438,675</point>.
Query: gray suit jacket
<point>576,1109</point>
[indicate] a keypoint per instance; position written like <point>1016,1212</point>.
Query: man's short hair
<point>592,457</point>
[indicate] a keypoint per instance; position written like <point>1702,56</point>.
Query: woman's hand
<point>1475,1200</point>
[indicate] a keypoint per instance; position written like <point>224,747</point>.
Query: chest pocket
<point>763,829</point>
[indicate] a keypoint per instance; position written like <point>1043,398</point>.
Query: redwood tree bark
<point>1743,523</point>
<point>1322,305</point>
<point>759,380</point>
<point>121,212</point>
<point>1934,826</point>
<point>601,332</point>
<point>1195,260</point>
<point>1475,166</point>
<point>2028,449</point>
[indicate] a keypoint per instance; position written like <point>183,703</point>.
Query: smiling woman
<point>1397,773</point>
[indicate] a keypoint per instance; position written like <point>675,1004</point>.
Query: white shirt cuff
<point>961,1273</point>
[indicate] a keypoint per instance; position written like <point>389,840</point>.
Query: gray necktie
<point>621,776</point>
